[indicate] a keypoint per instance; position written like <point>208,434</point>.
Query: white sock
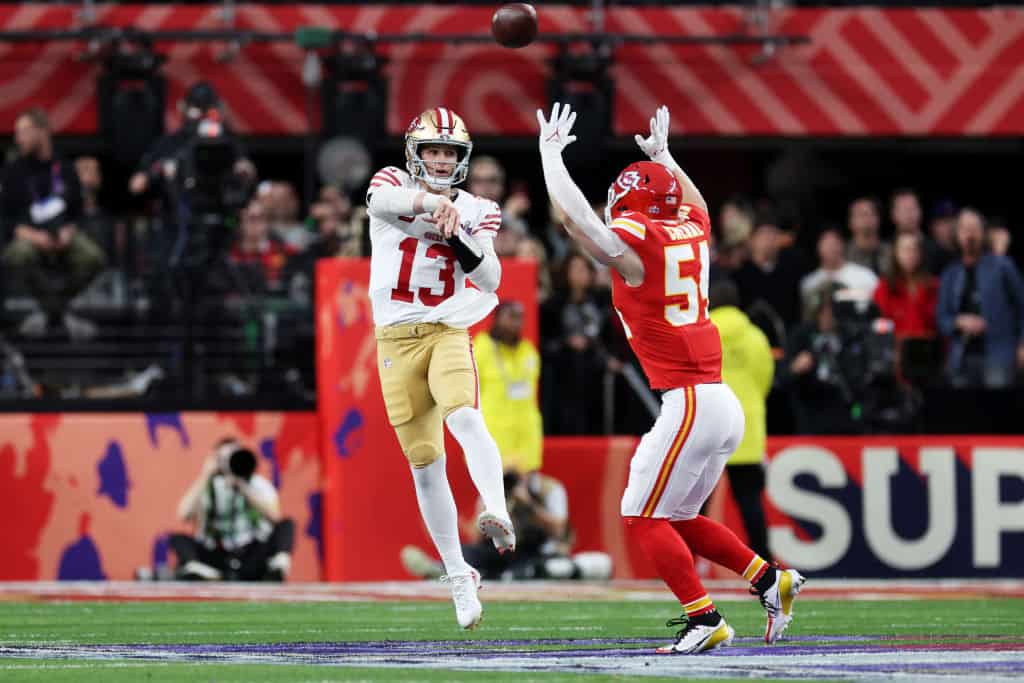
<point>437,506</point>
<point>482,458</point>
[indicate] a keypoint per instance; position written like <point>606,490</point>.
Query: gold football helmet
<point>438,126</point>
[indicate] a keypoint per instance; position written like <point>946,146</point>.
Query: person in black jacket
<point>40,205</point>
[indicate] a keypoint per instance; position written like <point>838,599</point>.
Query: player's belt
<point>407,331</point>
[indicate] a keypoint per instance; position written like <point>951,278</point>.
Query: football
<point>514,24</point>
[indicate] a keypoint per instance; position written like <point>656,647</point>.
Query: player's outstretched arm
<point>582,223</point>
<point>655,146</point>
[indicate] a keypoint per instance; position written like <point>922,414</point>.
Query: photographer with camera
<point>539,508</point>
<point>41,204</point>
<point>239,532</point>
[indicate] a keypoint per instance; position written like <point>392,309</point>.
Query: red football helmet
<point>644,187</point>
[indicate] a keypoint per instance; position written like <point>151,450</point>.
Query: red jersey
<point>666,317</point>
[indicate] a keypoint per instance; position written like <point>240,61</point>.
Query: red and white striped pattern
<point>866,71</point>
<point>389,175</point>
<point>491,220</point>
<point>445,121</point>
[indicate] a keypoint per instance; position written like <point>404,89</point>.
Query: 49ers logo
<point>414,125</point>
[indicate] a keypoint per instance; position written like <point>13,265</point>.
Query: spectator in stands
<point>41,205</point>
<point>820,391</point>
<point>906,216</point>
<point>539,508</point>
<point>998,236</point>
<point>95,222</point>
<point>487,179</point>
<point>866,247</point>
<point>981,311</point>
<point>748,368</point>
<point>509,370</point>
<point>572,325</point>
<point>260,255</point>
<point>834,268</point>
<point>239,534</point>
<point>908,293</point>
<point>735,223</point>
<point>942,229</point>
<point>282,206</point>
<point>532,249</point>
<point>772,274</point>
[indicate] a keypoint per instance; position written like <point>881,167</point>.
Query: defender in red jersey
<point>655,238</point>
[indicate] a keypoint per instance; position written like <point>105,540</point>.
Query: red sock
<point>673,560</point>
<point>719,544</point>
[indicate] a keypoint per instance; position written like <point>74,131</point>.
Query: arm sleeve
<point>389,201</point>
<point>487,273</point>
<point>564,191</point>
<point>763,365</point>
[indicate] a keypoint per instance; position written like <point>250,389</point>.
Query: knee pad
<point>422,454</point>
<point>459,420</point>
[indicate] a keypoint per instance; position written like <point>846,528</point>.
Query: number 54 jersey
<point>414,275</point>
<point>666,317</point>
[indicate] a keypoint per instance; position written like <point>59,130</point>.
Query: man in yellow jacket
<point>509,368</point>
<point>748,368</point>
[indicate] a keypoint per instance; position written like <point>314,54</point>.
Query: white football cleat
<point>696,638</point>
<point>778,602</point>
<point>468,610</point>
<point>499,530</point>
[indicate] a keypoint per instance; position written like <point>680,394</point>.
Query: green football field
<point>575,640</point>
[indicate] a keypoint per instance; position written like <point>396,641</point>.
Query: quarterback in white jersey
<point>433,273</point>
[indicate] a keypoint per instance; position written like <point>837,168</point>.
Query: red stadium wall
<point>93,496</point>
<point>866,71</point>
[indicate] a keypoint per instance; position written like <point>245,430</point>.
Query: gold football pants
<point>426,372</point>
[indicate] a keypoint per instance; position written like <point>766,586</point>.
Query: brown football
<point>514,24</point>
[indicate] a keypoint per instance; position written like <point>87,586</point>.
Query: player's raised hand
<point>657,142</point>
<point>556,132</point>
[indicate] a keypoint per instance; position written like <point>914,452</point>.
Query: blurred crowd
<point>898,297</point>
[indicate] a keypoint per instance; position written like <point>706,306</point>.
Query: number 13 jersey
<point>666,317</point>
<point>414,275</point>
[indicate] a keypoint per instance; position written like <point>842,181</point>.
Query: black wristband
<point>467,257</point>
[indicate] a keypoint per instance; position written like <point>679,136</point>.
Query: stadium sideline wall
<point>866,71</point>
<point>92,496</point>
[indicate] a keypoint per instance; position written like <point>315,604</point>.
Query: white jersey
<point>414,275</point>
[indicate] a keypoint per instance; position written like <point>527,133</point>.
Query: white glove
<point>656,145</point>
<point>555,133</point>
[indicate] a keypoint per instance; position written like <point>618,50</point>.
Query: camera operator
<point>841,368</point>
<point>821,393</point>
<point>239,532</point>
<point>204,179</point>
<point>539,508</point>
<point>200,100</point>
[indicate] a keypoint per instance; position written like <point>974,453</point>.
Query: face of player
<point>908,253</point>
<point>440,160</point>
